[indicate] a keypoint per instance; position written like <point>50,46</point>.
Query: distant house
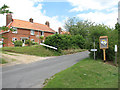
<point>24,30</point>
<point>60,31</point>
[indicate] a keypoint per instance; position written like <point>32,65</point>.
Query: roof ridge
<point>34,24</point>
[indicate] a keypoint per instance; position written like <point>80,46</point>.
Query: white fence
<point>48,46</point>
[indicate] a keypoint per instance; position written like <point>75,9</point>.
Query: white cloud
<point>24,9</point>
<point>95,10</point>
<point>101,18</point>
<point>81,5</point>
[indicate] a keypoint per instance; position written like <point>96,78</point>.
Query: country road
<point>33,75</point>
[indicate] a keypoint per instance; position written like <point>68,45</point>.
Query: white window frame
<point>33,40</point>
<point>13,39</point>
<point>15,30</point>
<point>42,33</point>
<point>32,32</point>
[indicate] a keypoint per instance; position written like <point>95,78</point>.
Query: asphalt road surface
<point>33,75</point>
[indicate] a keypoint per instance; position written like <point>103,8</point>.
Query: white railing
<point>48,46</point>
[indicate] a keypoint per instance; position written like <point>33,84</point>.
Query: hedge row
<point>65,41</point>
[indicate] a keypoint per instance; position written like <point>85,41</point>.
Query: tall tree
<point>4,10</point>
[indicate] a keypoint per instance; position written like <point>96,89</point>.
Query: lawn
<point>87,73</point>
<point>39,50</point>
<point>3,61</point>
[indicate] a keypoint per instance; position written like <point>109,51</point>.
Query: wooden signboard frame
<point>103,37</point>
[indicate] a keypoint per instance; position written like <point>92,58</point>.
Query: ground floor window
<point>32,40</point>
<point>14,39</point>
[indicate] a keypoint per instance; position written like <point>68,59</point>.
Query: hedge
<point>65,41</point>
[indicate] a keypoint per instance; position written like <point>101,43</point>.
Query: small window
<point>14,30</point>
<point>14,39</point>
<point>32,32</point>
<point>32,40</point>
<point>42,33</point>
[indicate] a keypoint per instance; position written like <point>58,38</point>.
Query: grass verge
<point>87,73</point>
<point>3,61</point>
<point>39,50</point>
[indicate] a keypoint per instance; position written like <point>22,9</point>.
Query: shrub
<point>96,32</point>
<point>65,41</point>
<point>29,42</point>
<point>34,43</point>
<point>18,43</point>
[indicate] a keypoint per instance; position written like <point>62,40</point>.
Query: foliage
<point>87,73</point>
<point>29,42</point>
<point>65,41</point>
<point>4,10</point>
<point>18,43</point>
<point>3,61</point>
<point>41,37</point>
<point>78,27</point>
<point>34,43</point>
<point>91,31</point>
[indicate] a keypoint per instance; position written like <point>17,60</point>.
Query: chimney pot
<point>59,30</point>
<point>47,23</point>
<point>31,20</point>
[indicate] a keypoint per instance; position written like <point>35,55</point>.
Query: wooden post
<point>116,58</point>
<point>104,55</point>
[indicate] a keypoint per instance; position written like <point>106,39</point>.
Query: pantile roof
<point>28,25</point>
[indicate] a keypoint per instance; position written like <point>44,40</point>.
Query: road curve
<point>33,75</point>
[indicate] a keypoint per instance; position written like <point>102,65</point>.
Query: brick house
<point>24,30</point>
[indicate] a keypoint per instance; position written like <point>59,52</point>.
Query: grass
<point>32,50</point>
<point>3,61</point>
<point>39,50</point>
<point>87,73</point>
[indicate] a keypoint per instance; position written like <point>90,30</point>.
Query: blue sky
<point>57,11</point>
<point>60,9</point>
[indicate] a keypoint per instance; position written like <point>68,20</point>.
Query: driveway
<point>33,75</point>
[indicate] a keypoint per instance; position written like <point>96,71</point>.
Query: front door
<point>23,40</point>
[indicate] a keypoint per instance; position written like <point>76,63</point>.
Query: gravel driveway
<point>15,58</point>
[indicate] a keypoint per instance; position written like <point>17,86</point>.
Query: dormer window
<point>32,32</point>
<point>14,30</point>
<point>42,33</point>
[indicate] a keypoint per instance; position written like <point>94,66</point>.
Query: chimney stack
<point>59,30</point>
<point>8,18</point>
<point>31,20</point>
<point>47,23</point>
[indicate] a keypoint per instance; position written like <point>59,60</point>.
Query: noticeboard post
<point>103,44</point>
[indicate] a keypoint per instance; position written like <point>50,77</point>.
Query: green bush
<point>65,41</point>
<point>18,43</point>
<point>96,32</point>
<point>29,42</point>
<point>34,43</point>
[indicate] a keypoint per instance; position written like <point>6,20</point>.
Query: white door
<point>1,44</point>
<point>23,40</point>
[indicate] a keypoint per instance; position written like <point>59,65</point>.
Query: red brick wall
<point>22,33</point>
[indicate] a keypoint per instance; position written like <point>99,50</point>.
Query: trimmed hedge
<point>65,41</point>
<point>18,43</point>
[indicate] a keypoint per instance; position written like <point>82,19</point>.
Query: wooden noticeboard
<point>103,42</point>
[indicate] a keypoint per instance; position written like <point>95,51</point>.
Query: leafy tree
<point>91,32</point>
<point>78,27</point>
<point>3,10</point>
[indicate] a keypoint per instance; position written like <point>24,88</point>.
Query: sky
<point>58,11</point>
